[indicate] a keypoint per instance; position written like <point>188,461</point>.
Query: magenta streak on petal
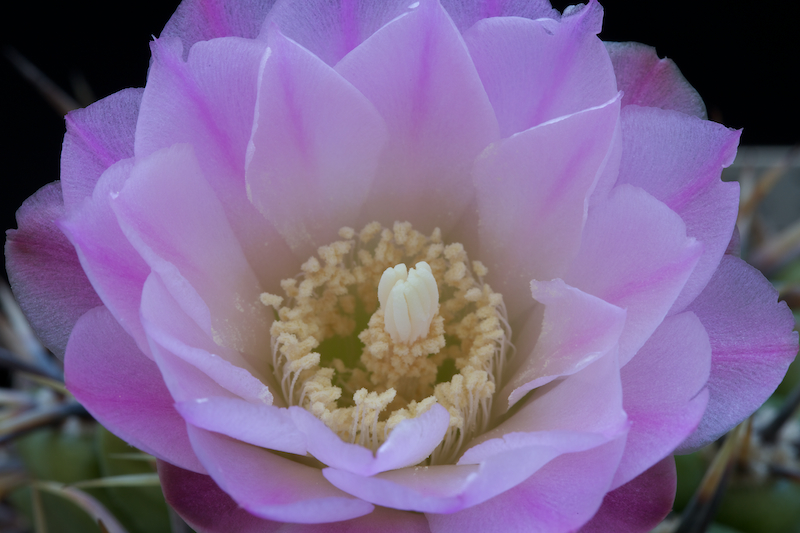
<point>707,175</point>
<point>213,13</point>
<point>566,59</point>
<point>287,84</point>
<point>93,142</point>
<point>663,274</point>
<point>190,89</point>
<point>492,8</point>
<point>347,17</point>
<point>420,97</point>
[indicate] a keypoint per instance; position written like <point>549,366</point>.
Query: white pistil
<point>410,300</point>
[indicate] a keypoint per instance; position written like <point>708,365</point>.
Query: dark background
<point>742,56</point>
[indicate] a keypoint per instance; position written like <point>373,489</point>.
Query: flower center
<point>364,343</point>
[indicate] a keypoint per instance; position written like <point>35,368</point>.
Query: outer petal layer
<point>752,345</point>
<point>124,390</point>
<point>639,505</point>
<point>649,81</point>
<point>678,159</point>
<point>206,507</point>
<point>43,268</point>
<point>202,20</point>
<point>270,486</point>
<point>663,390</point>
<point>97,137</point>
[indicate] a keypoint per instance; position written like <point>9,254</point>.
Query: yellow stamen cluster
<point>390,381</point>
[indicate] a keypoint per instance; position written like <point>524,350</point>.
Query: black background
<point>742,56</point>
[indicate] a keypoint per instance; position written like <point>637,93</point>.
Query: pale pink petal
<point>190,102</point>
<point>532,195</point>
<point>331,28</point>
<point>265,426</point>
<point>97,137</point>
<point>639,505</point>
<point>501,465</point>
<point>409,443</point>
<point>562,496</point>
<point>123,389</point>
<point>186,353</point>
<point>576,330</point>
<point>314,150</point>
<point>417,72</point>
<point>204,506</point>
<point>589,401</point>
<point>635,254</point>
<point>431,489</point>
<point>678,159</point>
<point>538,70</point>
<point>270,486</point>
<point>752,345</point>
<point>465,13</point>
<point>381,520</point>
<point>113,266</point>
<point>44,271</point>
<point>582,412</point>
<point>649,81</point>
<point>203,20</point>
<point>663,392</point>
<point>174,220</point>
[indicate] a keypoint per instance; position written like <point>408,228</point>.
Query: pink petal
<point>203,20</point>
<point>265,426</point>
<point>192,364</point>
<point>635,255</point>
<point>663,392</point>
<point>97,137</point>
<point>532,194</point>
<point>315,145</point>
<point>175,221</point>
<point>538,70</point>
<point>465,13</point>
<point>639,505</point>
<point>270,486</point>
<point>381,520</point>
<point>752,345</point>
<point>114,268</point>
<point>330,29</point>
<point>189,102</point>
<point>410,442</point>
<point>562,496</point>
<point>418,74</point>
<point>577,329</point>
<point>649,81</point>
<point>589,401</point>
<point>44,271</point>
<point>428,489</point>
<point>123,390</point>
<point>678,159</point>
<point>204,506</point>
<point>582,412</point>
